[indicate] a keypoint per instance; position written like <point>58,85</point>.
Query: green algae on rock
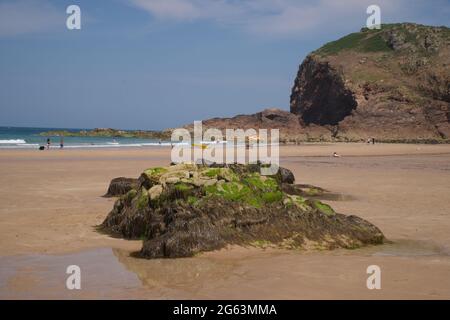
<point>184,209</point>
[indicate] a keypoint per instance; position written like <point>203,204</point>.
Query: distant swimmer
<point>335,155</point>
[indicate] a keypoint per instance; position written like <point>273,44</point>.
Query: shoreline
<point>350,149</point>
<point>166,144</point>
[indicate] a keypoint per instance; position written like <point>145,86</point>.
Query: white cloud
<point>278,17</point>
<point>261,17</point>
<point>29,16</point>
<point>170,9</point>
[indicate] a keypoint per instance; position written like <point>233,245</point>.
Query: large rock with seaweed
<point>184,209</point>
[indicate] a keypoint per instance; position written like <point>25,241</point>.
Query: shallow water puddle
<point>406,248</point>
<point>113,273</point>
<point>182,273</point>
<point>44,276</point>
<point>329,196</point>
<point>105,273</point>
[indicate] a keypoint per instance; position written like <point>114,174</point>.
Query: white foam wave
<point>12,141</point>
<point>21,144</point>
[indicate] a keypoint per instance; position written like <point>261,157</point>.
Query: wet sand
<point>50,202</point>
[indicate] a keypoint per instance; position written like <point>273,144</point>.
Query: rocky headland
<point>392,84</point>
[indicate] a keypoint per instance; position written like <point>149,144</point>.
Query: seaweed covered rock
<point>120,186</point>
<point>286,175</point>
<point>184,209</point>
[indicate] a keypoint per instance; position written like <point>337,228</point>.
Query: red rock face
<point>319,95</point>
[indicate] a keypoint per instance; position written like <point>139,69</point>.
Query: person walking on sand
<point>48,143</point>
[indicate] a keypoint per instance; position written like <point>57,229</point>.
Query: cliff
<point>392,84</point>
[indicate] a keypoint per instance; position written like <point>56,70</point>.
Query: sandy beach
<point>51,201</point>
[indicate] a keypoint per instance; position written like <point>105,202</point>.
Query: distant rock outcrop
<point>291,129</point>
<point>110,133</point>
<point>185,209</point>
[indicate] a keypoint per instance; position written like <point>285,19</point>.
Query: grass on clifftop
<point>376,40</point>
<point>367,41</point>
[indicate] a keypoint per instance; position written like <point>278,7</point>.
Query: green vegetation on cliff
<point>389,38</point>
<point>360,41</point>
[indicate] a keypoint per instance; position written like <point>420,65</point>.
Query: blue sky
<point>153,64</point>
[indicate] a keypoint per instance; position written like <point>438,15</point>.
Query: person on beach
<point>48,143</point>
<point>61,142</point>
<point>335,155</point>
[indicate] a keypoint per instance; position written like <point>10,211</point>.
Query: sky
<point>155,64</point>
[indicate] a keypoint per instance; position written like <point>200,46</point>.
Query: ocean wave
<point>163,144</point>
<point>127,145</point>
<point>81,146</point>
<point>20,146</point>
<point>13,141</point>
<point>24,145</point>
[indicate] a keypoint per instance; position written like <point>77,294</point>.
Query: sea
<point>30,138</point>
